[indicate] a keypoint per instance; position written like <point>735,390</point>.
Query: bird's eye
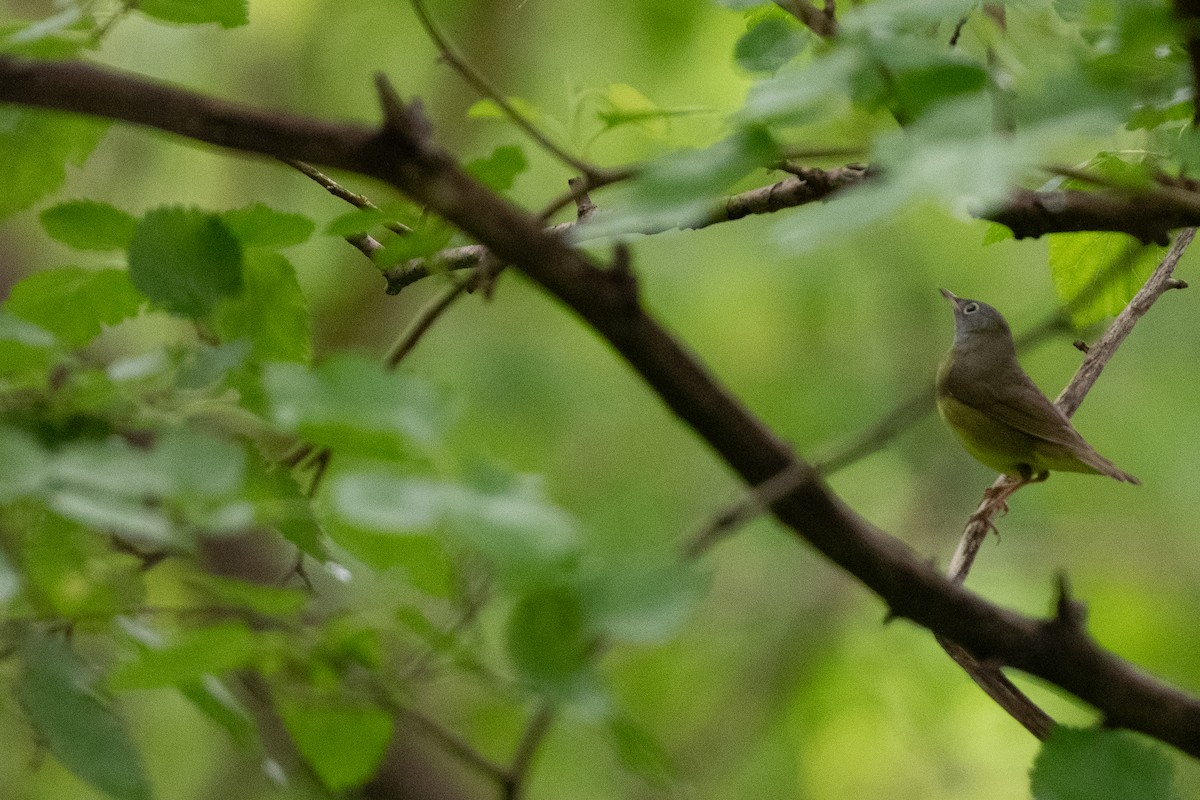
<point>970,308</point>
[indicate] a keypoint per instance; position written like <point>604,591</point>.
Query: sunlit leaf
<point>35,148</point>
<point>89,225</point>
<point>187,657</point>
<point>489,109</point>
<point>343,741</point>
<point>228,13</point>
<point>94,298</point>
<point>1096,273</point>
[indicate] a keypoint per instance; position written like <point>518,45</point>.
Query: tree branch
<point>401,154</point>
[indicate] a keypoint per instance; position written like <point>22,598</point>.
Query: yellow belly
<point>1002,447</point>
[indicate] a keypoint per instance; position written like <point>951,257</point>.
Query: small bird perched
<point>998,412</point>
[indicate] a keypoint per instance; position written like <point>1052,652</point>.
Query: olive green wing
<point>1013,399</point>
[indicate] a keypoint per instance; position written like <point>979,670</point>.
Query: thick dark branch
<point>607,300</point>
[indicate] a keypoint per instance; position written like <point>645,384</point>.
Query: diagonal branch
<point>400,153</point>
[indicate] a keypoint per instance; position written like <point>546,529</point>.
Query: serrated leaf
<point>500,169</point>
<point>1075,764</point>
<point>35,147</point>
<point>89,225</point>
<point>228,13</point>
<point>271,310</point>
<point>79,726</point>
<point>773,41</point>
<point>259,225</point>
<point>547,638</point>
<point>343,742</point>
<point>189,656</point>
<point>185,260</point>
<point>73,303</point>
<point>1096,273</point>
<point>354,405</point>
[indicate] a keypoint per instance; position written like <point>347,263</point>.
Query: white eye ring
<point>970,308</point>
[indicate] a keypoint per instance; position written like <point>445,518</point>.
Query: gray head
<point>975,320</point>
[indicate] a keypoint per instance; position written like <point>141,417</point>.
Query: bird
<point>998,412</point>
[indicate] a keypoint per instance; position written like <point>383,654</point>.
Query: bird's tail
<point>1106,467</point>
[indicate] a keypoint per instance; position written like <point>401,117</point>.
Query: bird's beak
<point>951,296</point>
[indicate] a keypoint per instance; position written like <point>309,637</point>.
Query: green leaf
<point>1094,764</point>
<point>500,169</point>
<point>26,351</point>
<point>73,303</point>
<point>89,225</point>
<point>70,574</point>
<point>271,310</point>
<point>522,534</point>
<point>220,705</point>
<point>548,639</point>
<point>362,220</point>
<point>35,147</point>
<point>622,104</point>
<point>489,109</point>
<point>772,41</point>
<point>229,13</point>
<point>78,724</point>
<point>188,657</point>
<point>342,741</point>
<point>263,599</point>
<point>641,752</point>
<point>259,225</point>
<point>1096,274</point>
<point>354,405</point>
<point>24,464</point>
<point>643,602</point>
<point>10,579</point>
<point>426,238</point>
<point>185,260</point>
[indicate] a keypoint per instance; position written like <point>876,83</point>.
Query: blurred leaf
<point>35,147</point>
<point>424,559</point>
<point>426,238</point>
<point>279,503</point>
<point>260,598</point>
<point>217,703</point>
<point>622,104</point>
<point>24,464</point>
<point>78,725</point>
<point>71,572</point>
<point>94,297</point>
<point>996,232</point>
<point>641,752</point>
<point>270,310</point>
<point>1096,274</point>
<point>1094,764</point>
<point>190,655</point>
<point>185,260</point>
<point>547,638</point>
<point>771,41</point>
<point>488,109</point>
<point>89,225</point>
<point>342,741</point>
<point>500,169</point>
<point>48,28</point>
<point>10,579</point>
<point>259,225</point>
<point>354,405</point>
<point>520,532</point>
<point>643,602</point>
<point>229,13</point>
<point>797,95</point>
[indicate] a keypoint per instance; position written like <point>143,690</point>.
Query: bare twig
<point>531,739</point>
<point>341,192</point>
<point>482,85</point>
<point>820,21</point>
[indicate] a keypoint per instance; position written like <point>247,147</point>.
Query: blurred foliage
<point>238,557</point>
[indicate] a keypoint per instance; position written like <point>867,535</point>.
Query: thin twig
<point>455,745</point>
<point>535,733</point>
<point>820,21</point>
<point>341,192</point>
<point>426,316</point>
<point>484,87</point>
